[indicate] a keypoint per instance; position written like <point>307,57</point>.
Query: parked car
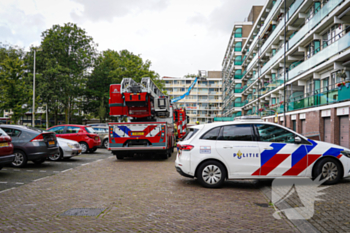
<point>68,149</point>
<point>30,144</point>
<point>250,148</point>
<point>6,149</point>
<point>98,124</point>
<point>102,131</point>
<point>85,135</point>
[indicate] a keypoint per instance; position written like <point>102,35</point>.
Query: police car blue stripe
<point>333,151</point>
<point>266,155</point>
<point>302,151</point>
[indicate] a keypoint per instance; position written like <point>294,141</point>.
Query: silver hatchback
<point>102,131</point>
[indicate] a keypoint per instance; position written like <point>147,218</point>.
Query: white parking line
<point>4,169</point>
<point>98,160</point>
<point>41,178</point>
<point>6,190</point>
<point>42,171</point>
<point>29,170</point>
<point>84,164</point>
<point>3,182</point>
<point>19,183</point>
<point>56,171</point>
<point>17,170</point>
<point>67,170</point>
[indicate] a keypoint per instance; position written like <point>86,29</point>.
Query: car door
<point>280,154</point>
<point>14,134</point>
<point>73,133</point>
<point>59,131</point>
<point>239,149</point>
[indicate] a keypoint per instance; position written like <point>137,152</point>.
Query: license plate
<point>137,133</point>
<point>51,143</point>
<point>4,144</point>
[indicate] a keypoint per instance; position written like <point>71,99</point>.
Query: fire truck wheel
<point>120,156</point>
<point>166,155</point>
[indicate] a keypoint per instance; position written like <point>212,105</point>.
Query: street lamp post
<point>33,109</point>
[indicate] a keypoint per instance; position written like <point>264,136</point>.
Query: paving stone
<point>137,195</point>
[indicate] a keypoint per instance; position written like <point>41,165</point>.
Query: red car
<point>6,149</point>
<point>85,135</point>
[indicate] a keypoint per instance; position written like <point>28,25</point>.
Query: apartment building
<point>232,72</point>
<point>204,101</point>
<point>296,63</point>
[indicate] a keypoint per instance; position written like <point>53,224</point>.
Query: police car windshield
<point>189,134</point>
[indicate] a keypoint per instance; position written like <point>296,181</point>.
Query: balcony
<point>324,54</point>
<point>321,14</point>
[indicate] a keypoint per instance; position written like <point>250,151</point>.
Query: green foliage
<point>191,76</point>
<point>15,91</point>
<point>67,53</point>
<point>110,68</point>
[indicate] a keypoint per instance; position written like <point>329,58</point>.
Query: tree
<point>110,68</point>
<point>15,88</point>
<point>67,54</point>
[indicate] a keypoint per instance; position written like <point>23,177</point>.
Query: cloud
<point>106,10</point>
<point>20,28</point>
<point>222,18</point>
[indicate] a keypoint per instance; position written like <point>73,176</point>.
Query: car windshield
<point>190,133</point>
<point>2,133</point>
<point>89,129</point>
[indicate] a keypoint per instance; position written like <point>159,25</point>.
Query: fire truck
<point>149,114</point>
<point>180,116</point>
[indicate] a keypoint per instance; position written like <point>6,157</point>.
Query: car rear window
<point>2,133</point>
<point>190,134</point>
<point>89,129</point>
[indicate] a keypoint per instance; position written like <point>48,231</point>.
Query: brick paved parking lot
<point>136,195</point>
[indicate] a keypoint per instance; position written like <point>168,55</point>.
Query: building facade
<point>295,68</point>
<point>204,101</point>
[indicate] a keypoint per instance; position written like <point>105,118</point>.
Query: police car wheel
<point>329,170</point>
<point>211,174</point>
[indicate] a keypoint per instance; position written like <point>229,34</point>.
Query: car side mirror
<point>297,140</point>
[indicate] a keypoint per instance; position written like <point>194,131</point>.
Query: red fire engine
<point>149,113</point>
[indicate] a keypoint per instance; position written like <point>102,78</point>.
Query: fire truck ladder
<point>147,85</point>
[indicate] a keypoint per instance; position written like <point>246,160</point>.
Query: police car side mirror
<point>297,140</point>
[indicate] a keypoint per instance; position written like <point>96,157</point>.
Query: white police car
<point>249,148</point>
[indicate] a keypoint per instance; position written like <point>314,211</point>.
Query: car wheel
<point>84,147</point>
<point>93,150</point>
<point>20,159</point>
<point>57,156</point>
<point>211,174</point>
<point>39,161</point>
<point>105,143</point>
<point>329,170</point>
<point>120,156</point>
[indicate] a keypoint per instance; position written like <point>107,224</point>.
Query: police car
<point>249,148</point>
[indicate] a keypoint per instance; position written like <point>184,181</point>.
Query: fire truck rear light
<point>38,138</point>
<point>186,147</point>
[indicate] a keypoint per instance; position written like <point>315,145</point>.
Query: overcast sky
<point>179,37</point>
